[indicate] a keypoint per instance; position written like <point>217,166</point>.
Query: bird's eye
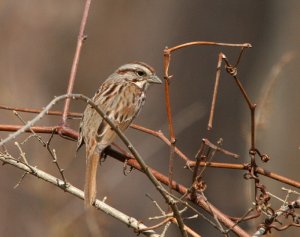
<point>141,73</point>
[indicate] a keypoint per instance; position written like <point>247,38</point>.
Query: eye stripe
<point>123,71</point>
<point>151,69</point>
<point>134,67</point>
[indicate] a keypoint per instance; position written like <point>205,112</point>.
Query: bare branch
<point>127,220</point>
<point>81,38</point>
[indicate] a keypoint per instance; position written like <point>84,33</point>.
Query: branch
<point>74,135</point>
<point>175,186</point>
<point>80,40</point>
<point>167,59</point>
<point>180,189</point>
<point>208,43</point>
<point>141,164</point>
<point>36,111</point>
<point>143,167</point>
<point>36,119</point>
<point>121,135</point>
<point>127,220</point>
<point>258,170</point>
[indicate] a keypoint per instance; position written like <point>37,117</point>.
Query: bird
<point>120,97</point>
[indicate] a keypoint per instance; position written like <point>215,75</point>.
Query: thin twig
<point>34,120</point>
<point>244,217</point>
<point>22,153</point>
<point>198,160</point>
<point>67,132</point>
<point>24,159</point>
<point>158,225</point>
<point>185,203</point>
<point>162,137</point>
<point>258,170</point>
<point>170,218</point>
<point>54,158</point>
<point>20,181</point>
<point>156,205</point>
<point>189,230</point>
<point>167,58</point>
<point>220,149</point>
<point>208,43</point>
<point>39,138</point>
<point>220,227</point>
<point>163,233</point>
<point>80,40</point>
<point>216,87</point>
<point>36,111</point>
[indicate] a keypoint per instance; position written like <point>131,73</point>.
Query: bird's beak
<point>154,79</point>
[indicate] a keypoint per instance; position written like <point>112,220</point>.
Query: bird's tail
<point>90,179</point>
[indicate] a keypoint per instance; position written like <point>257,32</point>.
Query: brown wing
<point>121,108</point>
<point>91,119</point>
<point>121,102</point>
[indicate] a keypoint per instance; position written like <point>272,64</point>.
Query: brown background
<point>37,44</point>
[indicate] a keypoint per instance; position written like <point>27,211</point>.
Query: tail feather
<point>90,179</point>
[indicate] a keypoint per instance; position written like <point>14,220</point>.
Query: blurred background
<point>37,45</point>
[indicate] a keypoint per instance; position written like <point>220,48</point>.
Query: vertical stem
<point>80,40</point>
<point>171,166</point>
<point>169,114</point>
<point>252,110</point>
<point>213,102</point>
<point>253,106</point>
<point>240,56</point>
<point>167,94</point>
<point>167,58</point>
<point>198,160</point>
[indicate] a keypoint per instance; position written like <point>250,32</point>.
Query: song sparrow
<point>121,97</point>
